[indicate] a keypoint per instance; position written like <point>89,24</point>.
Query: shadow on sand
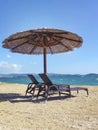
<point>11,96</point>
<point>16,98</point>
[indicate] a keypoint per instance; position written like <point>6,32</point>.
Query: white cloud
<point>6,67</point>
<point>8,56</point>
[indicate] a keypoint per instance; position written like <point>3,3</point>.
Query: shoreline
<point>85,85</point>
<point>18,112</point>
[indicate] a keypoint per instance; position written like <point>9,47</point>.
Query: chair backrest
<point>33,79</point>
<point>46,79</point>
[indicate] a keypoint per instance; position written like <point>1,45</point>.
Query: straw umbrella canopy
<point>43,41</point>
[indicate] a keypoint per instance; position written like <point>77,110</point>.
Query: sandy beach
<point>18,112</point>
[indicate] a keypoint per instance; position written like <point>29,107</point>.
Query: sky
<point>77,16</point>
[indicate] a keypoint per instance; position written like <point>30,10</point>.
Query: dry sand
<point>18,112</point>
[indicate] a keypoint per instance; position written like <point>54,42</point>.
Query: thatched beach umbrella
<point>43,41</point>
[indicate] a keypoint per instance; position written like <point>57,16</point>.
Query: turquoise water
<point>89,79</point>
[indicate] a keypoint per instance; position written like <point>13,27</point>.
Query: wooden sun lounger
<point>35,85</point>
<point>49,86</point>
<point>60,87</point>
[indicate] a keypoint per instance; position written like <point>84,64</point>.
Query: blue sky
<point>77,16</point>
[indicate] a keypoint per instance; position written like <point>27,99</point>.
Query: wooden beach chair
<point>61,88</point>
<point>35,85</point>
<point>50,87</point>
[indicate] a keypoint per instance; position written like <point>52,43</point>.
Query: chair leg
<point>47,89</point>
<point>69,91</point>
<point>30,89</point>
<point>46,95</point>
<point>27,90</point>
<point>33,91</point>
<point>87,91</point>
<point>39,91</point>
<point>77,91</point>
<point>59,93</point>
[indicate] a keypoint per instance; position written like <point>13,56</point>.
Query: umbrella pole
<point>45,61</point>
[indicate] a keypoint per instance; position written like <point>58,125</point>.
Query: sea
<point>72,79</point>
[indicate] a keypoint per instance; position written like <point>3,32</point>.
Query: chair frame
<point>35,85</point>
<point>49,86</point>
